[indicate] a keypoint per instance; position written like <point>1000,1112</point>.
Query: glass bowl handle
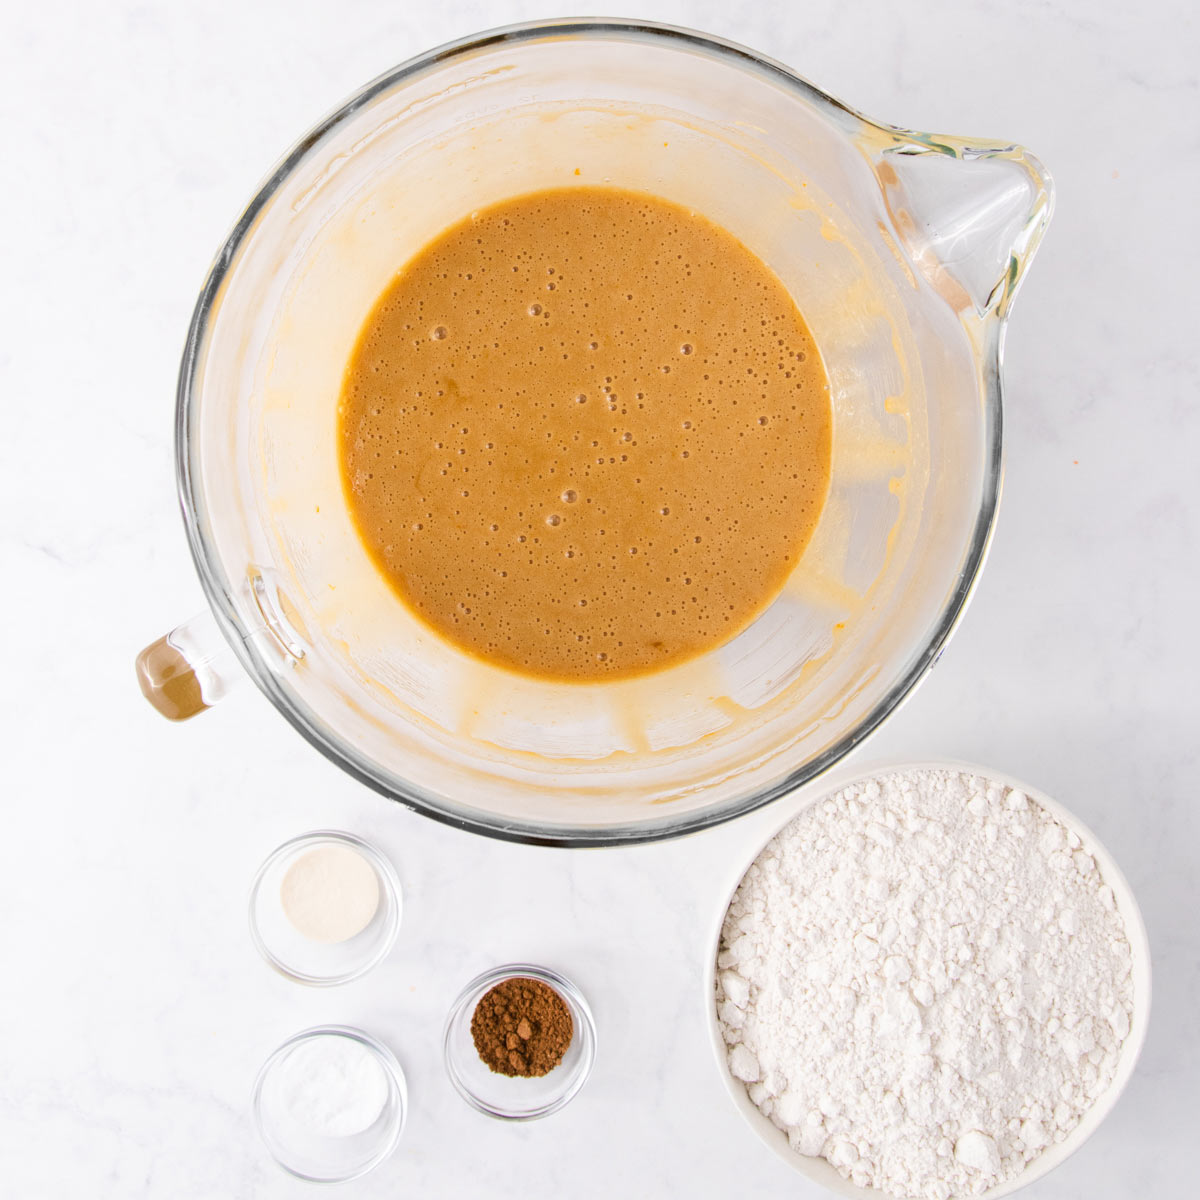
<point>194,665</point>
<point>189,669</point>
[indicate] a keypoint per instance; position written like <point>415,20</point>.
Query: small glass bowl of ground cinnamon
<point>519,1042</point>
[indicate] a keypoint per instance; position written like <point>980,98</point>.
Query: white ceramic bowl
<point>820,1171</point>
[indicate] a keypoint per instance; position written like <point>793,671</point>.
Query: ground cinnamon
<point>522,1027</point>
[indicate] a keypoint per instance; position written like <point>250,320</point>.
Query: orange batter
<point>585,434</point>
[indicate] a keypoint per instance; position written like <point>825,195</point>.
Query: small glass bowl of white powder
<point>325,908</point>
<point>330,1104</point>
<point>931,982</point>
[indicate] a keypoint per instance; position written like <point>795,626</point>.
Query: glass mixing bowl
<point>902,250</point>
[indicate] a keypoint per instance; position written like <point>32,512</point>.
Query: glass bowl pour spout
<point>970,213</point>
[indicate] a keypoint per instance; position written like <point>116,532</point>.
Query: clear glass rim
<point>397,1087</point>
<point>581,1014</point>
<point>217,587</point>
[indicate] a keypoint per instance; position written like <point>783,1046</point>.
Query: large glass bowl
<point>902,250</point>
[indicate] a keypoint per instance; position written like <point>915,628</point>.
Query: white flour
<point>924,980</point>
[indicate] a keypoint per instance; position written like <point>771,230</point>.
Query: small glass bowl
<point>502,1096</point>
<point>311,1156</point>
<point>321,964</point>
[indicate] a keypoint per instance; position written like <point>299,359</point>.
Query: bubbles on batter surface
<point>673,493</point>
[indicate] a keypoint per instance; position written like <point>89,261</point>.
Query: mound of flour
<point>924,980</point>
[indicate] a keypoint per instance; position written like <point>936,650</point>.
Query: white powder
<point>330,894</point>
<point>332,1086</point>
<point>924,980</point>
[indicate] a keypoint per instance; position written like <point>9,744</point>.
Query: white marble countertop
<point>134,1010</point>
